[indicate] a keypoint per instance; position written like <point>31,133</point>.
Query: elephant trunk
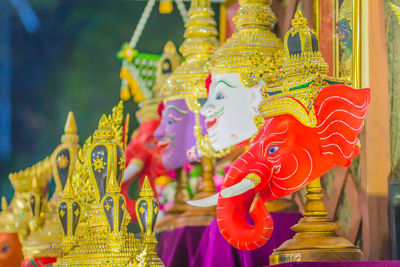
<point>240,230</point>
<point>236,226</point>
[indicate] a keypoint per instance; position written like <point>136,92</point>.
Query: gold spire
<point>200,42</point>
<point>303,75</point>
<point>146,190</point>
<point>69,192</point>
<point>112,184</point>
<point>35,185</point>
<point>104,130</point>
<point>4,204</point>
<point>70,130</point>
<point>254,51</point>
<point>396,10</point>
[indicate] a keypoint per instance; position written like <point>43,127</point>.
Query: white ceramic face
<point>230,110</point>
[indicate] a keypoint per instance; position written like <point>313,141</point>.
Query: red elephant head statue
<point>310,124</point>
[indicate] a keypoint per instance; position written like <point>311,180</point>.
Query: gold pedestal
<point>282,205</point>
<point>316,238</point>
<point>195,216</point>
<point>179,206</point>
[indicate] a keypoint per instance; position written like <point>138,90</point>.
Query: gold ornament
<point>92,211</point>
<point>254,51</point>
<point>303,75</point>
<point>46,241</point>
<point>146,212</point>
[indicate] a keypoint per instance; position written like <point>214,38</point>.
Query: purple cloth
<point>202,246</point>
<point>340,264</point>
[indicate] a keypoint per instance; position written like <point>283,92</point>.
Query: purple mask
<point>176,136</point>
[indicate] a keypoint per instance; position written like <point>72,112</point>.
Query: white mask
<point>230,110</point>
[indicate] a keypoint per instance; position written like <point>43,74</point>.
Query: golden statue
<point>94,218</point>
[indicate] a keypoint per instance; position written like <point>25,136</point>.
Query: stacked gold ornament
<point>94,218</point>
<point>46,241</point>
<point>18,216</point>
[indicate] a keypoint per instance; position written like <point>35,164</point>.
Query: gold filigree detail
<point>98,164</point>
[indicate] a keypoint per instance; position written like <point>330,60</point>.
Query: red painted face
<point>286,155</point>
<point>10,250</point>
<point>143,146</point>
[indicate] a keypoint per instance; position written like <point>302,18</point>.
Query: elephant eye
<point>219,96</point>
<point>273,149</point>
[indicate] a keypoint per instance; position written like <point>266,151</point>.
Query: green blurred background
<point>70,64</point>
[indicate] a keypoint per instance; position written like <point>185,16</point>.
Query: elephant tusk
<point>204,202</point>
<point>134,167</point>
<point>248,183</point>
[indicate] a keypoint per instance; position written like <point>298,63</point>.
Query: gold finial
<point>70,130</point>
<point>254,51</point>
<point>299,20</point>
<point>104,130</point>
<point>396,11</point>
<point>4,204</point>
<point>170,48</point>
<point>70,125</point>
<point>200,42</point>
<point>146,190</point>
<point>112,184</point>
<point>69,192</point>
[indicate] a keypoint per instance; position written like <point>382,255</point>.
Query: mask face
<point>176,136</point>
<point>230,110</point>
<point>10,250</point>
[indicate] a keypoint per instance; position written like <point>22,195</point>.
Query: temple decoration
<point>309,128</point>
<point>15,217</point>
<point>248,61</point>
<point>94,219</point>
<point>146,211</point>
<point>143,155</point>
<point>45,241</point>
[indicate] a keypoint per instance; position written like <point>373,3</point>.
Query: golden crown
<point>254,51</point>
<point>303,75</point>
<point>200,43</point>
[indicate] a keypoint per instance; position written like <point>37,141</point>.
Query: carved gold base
<point>316,238</point>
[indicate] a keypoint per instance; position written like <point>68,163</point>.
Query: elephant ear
<point>340,112</point>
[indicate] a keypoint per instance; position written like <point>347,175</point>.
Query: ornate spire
<point>254,51</point>
<point>104,130</point>
<point>69,192</point>
<point>146,190</point>
<point>70,130</point>
<point>200,42</point>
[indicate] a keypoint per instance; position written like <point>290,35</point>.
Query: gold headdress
<point>188,80</point>
<point>303,75</point>
<point>254,51</point>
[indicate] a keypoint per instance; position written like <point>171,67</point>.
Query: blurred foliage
<point>71,64</point>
